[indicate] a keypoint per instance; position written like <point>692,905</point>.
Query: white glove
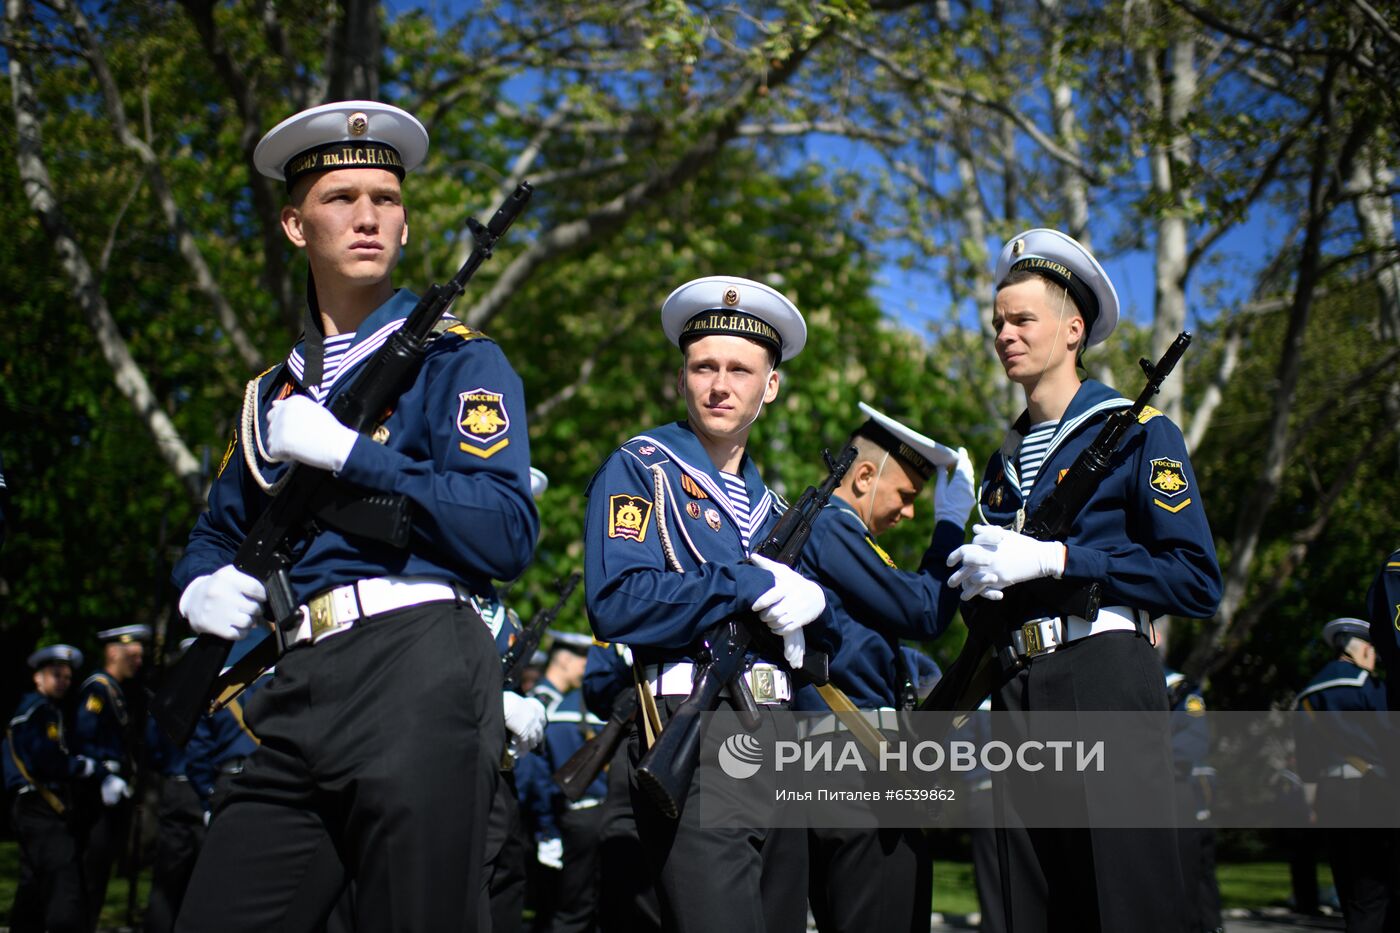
<point>87,764</point>
<point>226,603</point>
<point>791,602</point>
<point>998,558</point>
<point>207,815</point>
<point>550,853</point>
<point>525,719</point>
<point>299,429</point>
<point>954,493</point>
<point>795,649</point>
<point>113,790</point>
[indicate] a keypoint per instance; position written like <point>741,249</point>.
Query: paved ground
<point>1236,921</point>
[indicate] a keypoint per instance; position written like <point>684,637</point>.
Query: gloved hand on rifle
<point>525,721</point>
<point>299,429</point>
<point>550,853</point>
<point>789,604</point>
<point>955,492</point>
<point>226,603</point>
<point>998,558</point>
<point>113,790</point>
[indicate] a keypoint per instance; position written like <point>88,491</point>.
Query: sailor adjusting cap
<point>1340,631</point>
<point>345,134</point>
<point>726,305</point>
<point>125,634</point>
<point>1061,259</point>
<point>56,654</point>
<point>573,641</point>
<point>920,453</point>
<point>539,482</point>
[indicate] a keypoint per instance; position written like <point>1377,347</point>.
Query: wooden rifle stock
<point>575,775</point>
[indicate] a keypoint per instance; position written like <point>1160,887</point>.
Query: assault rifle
<point>195,685</point>
<point>974,674</point>
<point>575,775</point>
<point>517,656</point>
<point>669,766</point>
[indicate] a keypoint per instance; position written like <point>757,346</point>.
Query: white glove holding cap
<point>226,603</point>
<point>113,790</point>
<point>550,853</point>
<point>525,721</point>
<point>955,491</point>
<point>791,602</point>
<point>299,429</point>
<point>998,558</point>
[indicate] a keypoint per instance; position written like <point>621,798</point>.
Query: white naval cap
<point>1340,631</point>
<point>343,134</point>
<point>55,654</point>
<point>539,482</point>
<point>920,452</point>
<point>574,641</point>
<point>726,304</point>
<point>125,634</point>
<point>1062,259</point>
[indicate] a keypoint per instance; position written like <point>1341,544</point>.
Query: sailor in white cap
<point>672,517</point>
<point>106,732</point>
<point>1344,746</point>
<point>1142,545</point>
<point>565,832</point>
<point>390,632</point>
<point>865,877</point>
<point>43,776</point>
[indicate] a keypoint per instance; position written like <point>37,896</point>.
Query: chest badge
<point>712,519</point>
<point>1168,477</point>
<point>692,509</point>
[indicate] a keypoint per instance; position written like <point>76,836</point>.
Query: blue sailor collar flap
<point>1093,399</point>
<point>677,444</point>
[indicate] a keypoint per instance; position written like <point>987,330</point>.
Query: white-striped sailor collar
<point>680,439</point>
<point>1092,399</point>
<point>1358,681</point>
<point>845,507</point>
<point>369,337</point>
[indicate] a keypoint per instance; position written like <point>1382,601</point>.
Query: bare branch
<point>38,190</point>
<point>105,258</point>
<point>174,217</point>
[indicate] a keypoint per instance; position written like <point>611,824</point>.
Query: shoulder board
<point>884,556</point>
<point>647,451</point>
<point>450,325</point>
<point>1148,413</point>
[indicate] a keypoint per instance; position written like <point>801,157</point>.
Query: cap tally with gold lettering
<point>731,306</point>
<point>1340,631</point>
<point>1063,260</point>
<point>344,134</point>
<point>56,654</point>
<point>920,453</point>
<point>125,634</point>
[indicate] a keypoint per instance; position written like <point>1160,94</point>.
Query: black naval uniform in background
<point>103,728</point>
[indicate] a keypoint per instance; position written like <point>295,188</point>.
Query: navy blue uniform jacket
<point>1383,612</point>
<point>1143,534</point>
<point>1328,741</point>
<point>663,557</point>
<point>36,748</point>
<point>456,446</point>
<point>102,723</point>
<point>874,603</point>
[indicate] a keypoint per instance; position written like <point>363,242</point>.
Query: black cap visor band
<point>343,155</point>
<point>730,323</point>
<point>1079,290</point>
<point>921,465</point>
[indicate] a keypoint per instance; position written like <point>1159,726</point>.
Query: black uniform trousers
<point>718,880</point>
<point>379,755</point>
<point>503,881</point>
<point>626,898</point>
<point>869,879</point>
<point>1090,878</point>
<point>1365,862</point>
<point>180,833</point>
<point>575,901</point>
<point>105,847</point>
<point>50,894</point>
<point>986,867</point>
